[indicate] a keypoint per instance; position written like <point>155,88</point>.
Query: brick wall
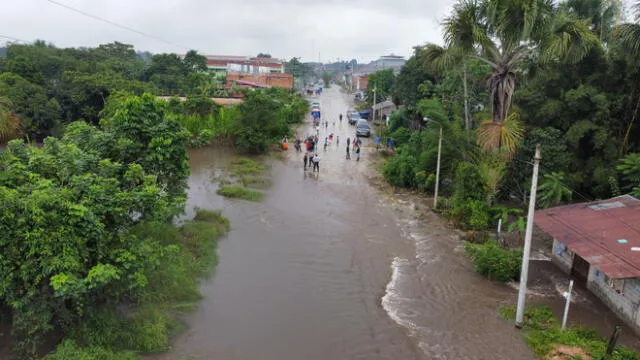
<point>282,80</point>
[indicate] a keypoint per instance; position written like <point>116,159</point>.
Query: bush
<point>425,181</point>
<point>468,184</point>
<point>401,135</point>
<point>173,277</point>
<point>401,170</point>
<point>494,262</point>
<point>69,350</point>
<point>472,214</point>
<point>241,192</point>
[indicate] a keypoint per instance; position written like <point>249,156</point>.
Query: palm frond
<point>463,28</point>
<point>506,135</point>
<point>441,58</point>
<point>569,41</point>
<point>629,37</point>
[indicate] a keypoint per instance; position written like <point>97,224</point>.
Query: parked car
<point>363,129</point>
<point>353,117</point>
<point>362,121</point>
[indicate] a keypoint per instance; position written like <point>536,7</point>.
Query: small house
<point>598,244</point>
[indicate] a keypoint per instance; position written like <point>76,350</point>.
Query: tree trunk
<point>467,120</point>
<point>625,141</point>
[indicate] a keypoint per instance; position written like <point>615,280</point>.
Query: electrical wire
<point>13,38</point>
<point>115,24</point>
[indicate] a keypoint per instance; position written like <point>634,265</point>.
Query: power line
<point>116,24</point>
<point>13,38</point>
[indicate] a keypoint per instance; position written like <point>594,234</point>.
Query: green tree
<point>629,168</point>
<point>553,191</point>
<point>10,126</point>
<point>326,78</point>
<point>382,81</point>
<point>503,33</point>
<point>38,113</point>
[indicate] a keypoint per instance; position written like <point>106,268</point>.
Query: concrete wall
<point>561,256</point>
<point>625,304</point>
<point>282,80</point>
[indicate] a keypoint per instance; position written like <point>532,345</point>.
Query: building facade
<point>598,244</point>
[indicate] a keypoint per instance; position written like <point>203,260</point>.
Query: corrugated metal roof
<point>605,233</point>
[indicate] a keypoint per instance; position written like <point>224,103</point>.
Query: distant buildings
<point>359,72</point>
<point>245,71</point>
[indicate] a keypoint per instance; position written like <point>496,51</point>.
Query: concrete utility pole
<point>527,241</point>
<point>566,306</point>
<point>435,195</point>
<point>374,104</point>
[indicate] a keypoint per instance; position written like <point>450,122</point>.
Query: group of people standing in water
<point>311,158</point>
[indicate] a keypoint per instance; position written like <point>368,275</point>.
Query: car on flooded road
<point>353,117</point>
<point>363,129</point>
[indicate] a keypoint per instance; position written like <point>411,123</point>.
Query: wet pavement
<point>327,267</point>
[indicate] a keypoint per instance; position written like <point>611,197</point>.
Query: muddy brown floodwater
<point>326,267</point>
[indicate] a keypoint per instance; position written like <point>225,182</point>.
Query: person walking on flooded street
<point>337,140</point>
<point>340,117</point>
<point>348,153</point>
<point>357,153</point>
<point>348,141</point>
<point>306,160</point>
<point>316,162</point>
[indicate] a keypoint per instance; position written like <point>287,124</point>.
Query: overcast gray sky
<point>360,29</point>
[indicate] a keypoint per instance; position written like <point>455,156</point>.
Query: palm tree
<point>10,127</point>
<point>553,190</point>
<point>507,33</point>
<point>628,35</point>
<point>603,14</point>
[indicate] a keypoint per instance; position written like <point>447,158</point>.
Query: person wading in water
<point>316,162</point>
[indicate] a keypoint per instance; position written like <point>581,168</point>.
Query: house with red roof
<point>598,244</point>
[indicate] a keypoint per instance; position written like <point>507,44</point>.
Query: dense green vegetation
<point>88,248</point>
<point>543,335</point>
<point>511,76</point>
<point>494,262</point>
<point>90,253</point>
<point>44,88</point>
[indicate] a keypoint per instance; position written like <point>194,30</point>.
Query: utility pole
<point>374,103</point>
<point>467,121</point>
<point>527,241</point>
<point>435,195</point>
<point>566,306</point>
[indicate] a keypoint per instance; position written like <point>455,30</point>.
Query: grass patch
<point>148,320</point>
<point>241,178</point>
<point>255,182</point>
<point>543,335</point>
<point>243,167</point>
<point>241,192</point>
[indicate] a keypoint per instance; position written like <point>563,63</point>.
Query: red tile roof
<point>605,233</point>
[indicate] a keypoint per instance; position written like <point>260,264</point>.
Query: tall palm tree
<point>507,33</point>
<point>442,59</point>
<point>10,127</point>
<point>602,14</point>
<point>628,34</point>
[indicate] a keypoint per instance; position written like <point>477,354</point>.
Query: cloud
<point>361,29</point>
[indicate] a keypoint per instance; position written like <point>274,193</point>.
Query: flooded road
<point>327,267</point>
